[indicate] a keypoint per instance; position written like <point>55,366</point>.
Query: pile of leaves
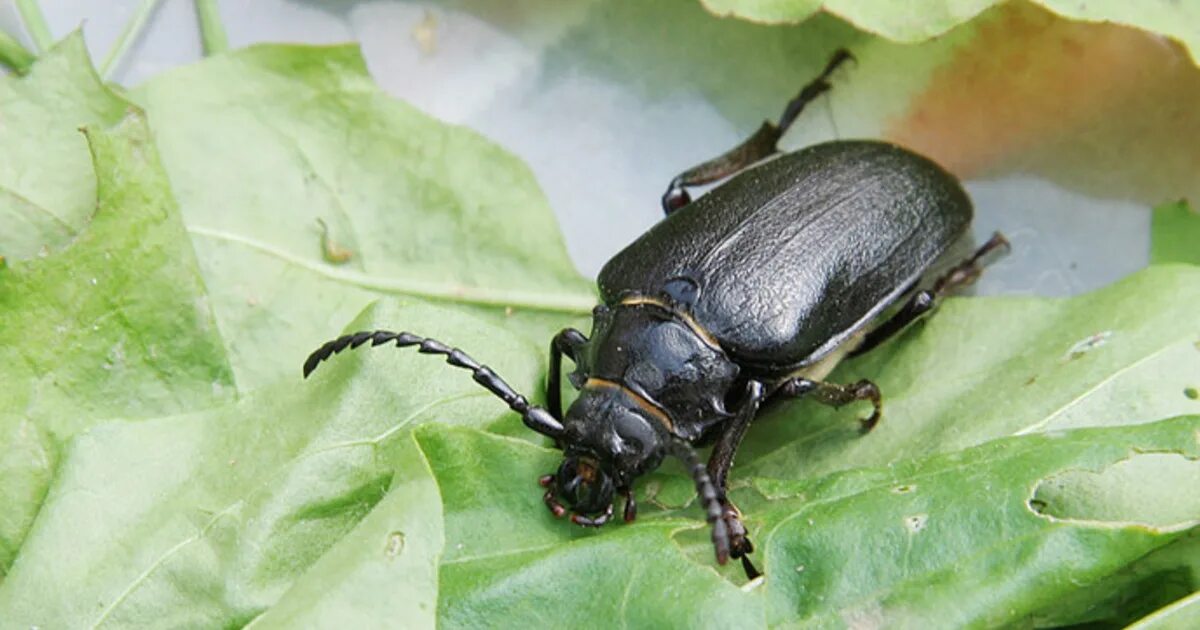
<point>162,464</point>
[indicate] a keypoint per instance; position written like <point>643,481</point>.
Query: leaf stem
<point>212,32</point>
<point>13,55</point>
<point>35,24</point>
<point>130,35</point>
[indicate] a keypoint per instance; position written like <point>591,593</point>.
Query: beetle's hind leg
<point>758,146</point>
<point>961,275</point>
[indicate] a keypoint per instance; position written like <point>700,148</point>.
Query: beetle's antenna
<point>708,496</point>
<point>535,417</point>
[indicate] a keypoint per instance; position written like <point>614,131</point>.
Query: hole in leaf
<point>916,522</point>
<point>1144,489</point>
<point>1088,344</point>
<point>395,544</point>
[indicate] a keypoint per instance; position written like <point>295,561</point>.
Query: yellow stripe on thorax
<point>687,319</point>
<point>645,405</point>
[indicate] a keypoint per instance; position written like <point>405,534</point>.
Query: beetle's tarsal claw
<point>869,423</point>
<point>866,390</point>
<point>675,197</point>
<point>752,572</point>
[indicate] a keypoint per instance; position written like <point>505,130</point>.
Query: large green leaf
<point>886,546</point>
<point>922,20</point>
<point>211,516</point>
<point>263,143</point>
<point>47,189</point>
<point>115,324</point>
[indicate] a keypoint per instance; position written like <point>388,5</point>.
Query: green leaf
<point>1175,234</point>
<point>900,542</point>
<point>887,546</point>
<point>925,19</point>
<point>207,519</point>
<point>47,188</point>
<point>116,324</point>
<point>263,143</point>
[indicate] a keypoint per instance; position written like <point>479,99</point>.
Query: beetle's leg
<point>533,416</point>
<point>758,146</point>
<point>719,464</point>
<point>566,342</point>
<point>630,512</point>
<point>836,395</point>
<point>921,302</point>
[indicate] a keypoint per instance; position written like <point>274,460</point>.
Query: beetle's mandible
<point>753,292</point>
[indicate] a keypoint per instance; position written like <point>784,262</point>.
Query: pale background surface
<point>601,148</point>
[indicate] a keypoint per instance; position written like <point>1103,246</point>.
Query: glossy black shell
<point>786,260</point>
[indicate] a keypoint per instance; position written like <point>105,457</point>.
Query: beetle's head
<point>610,437</point>
<point>584,484</point>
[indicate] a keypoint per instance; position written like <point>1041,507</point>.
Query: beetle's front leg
<point>836,395</point>
<point>719,464</point>
<point>568,341</point>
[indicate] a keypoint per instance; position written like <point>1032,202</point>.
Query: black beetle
<point>754,292</point>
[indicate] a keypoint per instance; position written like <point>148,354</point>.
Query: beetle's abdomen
<point>791,257</point>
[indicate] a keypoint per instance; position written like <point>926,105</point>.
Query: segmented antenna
<point>535,417</point>
<point>708,497</point>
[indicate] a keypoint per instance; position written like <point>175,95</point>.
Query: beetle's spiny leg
<point>922,302</point>
<point>535,417</point>
<point>589,521</point>
<point>966,273</point>
<point>812,90</point>
<point>709,498</point>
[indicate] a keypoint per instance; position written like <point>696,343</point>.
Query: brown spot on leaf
<point>1102,108</point>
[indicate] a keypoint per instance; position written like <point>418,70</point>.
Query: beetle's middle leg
<point>836,395</point>
<point>758,146</point>
<point>922,302</point>
<point>719,464</point>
